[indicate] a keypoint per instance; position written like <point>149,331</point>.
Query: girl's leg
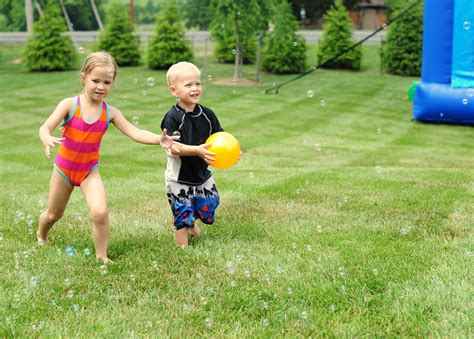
<point>59,193</point>
<point>94,192</point>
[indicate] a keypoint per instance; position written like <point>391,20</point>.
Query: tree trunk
<point>259,58</point>
<point>29,16</point>
<point>97,15</point>
<point>238,49</point>
<point>132,14</point>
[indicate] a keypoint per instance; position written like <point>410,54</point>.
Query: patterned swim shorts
<point>191,202</point>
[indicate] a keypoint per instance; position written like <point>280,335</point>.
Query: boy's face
<point>187,86</point>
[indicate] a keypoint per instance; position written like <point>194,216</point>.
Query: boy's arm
<point>59,113</point>
<point>199,150</point>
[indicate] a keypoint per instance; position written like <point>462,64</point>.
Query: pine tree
<point>48,50</point>
<point>401,52</point>
<point>285,51</point>
<point>337,37</point>
<point>169,45</point>
<point>118,38</point>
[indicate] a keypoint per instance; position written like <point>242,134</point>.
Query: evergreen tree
<point>169,45</point>
<point>48,50</point>
<point>118,38</point>
<point>337,37</point>
<point>285,51</point>
<point>401,52</point>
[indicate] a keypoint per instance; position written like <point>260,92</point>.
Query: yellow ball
<point>226,147</point>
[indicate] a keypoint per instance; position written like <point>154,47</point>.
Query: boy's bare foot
<point>41,241</point>
<point>195,231</point>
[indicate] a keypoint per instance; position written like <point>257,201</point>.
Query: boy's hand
<point>205,154</point>
<point>51,142</point>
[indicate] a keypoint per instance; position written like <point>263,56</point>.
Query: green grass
<point>343,219</point>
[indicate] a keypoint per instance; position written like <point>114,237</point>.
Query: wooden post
<point>96,14</point>
<point>29,16</point>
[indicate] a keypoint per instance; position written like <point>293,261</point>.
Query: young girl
<point>85,120</point>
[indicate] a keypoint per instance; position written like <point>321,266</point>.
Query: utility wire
<point>311,70</point>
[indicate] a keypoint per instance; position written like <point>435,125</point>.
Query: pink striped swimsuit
<point>78,154</point>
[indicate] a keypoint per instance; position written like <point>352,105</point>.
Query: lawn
<point>344,217</point>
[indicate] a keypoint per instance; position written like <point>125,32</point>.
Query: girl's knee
<point>52,216</point>
<point>99,216</point>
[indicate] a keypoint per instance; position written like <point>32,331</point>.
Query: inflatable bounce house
<point>446,91</point>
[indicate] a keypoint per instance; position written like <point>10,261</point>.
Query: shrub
<point>284,51</point>
<point>118,38</point>
<point>48,50</point>
<point>401,52</point>
<point>169,45</point>
<point>337,37</point>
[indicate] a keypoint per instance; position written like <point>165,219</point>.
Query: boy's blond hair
<point>180,68</point>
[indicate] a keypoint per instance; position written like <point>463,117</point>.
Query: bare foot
<point>104,260</point>
<point>41,241</point>
<point>195,231</point>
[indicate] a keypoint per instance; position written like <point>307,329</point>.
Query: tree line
<point>243,31</point>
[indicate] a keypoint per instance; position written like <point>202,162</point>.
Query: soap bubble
<point>209,77</point>
<point>466,25</point>
<point>208,322</point>
<point>150,81</point>
<point>310,93</point>
<point>81,50</point>
<point>70,251</point>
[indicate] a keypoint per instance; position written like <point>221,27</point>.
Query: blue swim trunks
<point>189,203</point>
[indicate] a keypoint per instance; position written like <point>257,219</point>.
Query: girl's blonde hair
<point>180,68</point>
<point>97,59</point>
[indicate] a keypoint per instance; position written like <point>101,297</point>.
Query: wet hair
<point>98,59</point>
<point>180,68</point>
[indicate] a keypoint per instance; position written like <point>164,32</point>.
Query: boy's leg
<point>94,192</point>
<point>180,198</point>
<point>181,237</point>
<point>59,193</point>
<point>207,201</point>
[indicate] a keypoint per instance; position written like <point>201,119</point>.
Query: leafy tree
<point>118,38</point>
<point>337,37</point>
<point>197,13</point>
<point>233,28</point>
<point>285,51</point>
<point>169,45</point>
<point>48,50</point>
<point>401,51</point>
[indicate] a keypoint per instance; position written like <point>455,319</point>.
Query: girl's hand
<point>205,154</point>
<point>166,141</point>
<point>51,142</point>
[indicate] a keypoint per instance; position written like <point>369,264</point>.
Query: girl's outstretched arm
<point>48,127</point>
<point>140,135</point>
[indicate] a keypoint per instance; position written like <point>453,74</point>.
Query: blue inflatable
<point>446,91</point>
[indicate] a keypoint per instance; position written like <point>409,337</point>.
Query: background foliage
<point>118,38</point>
<point>48,49</point>
<point>337,37</point>
<point>402,50</point>
<point>285,51</point>
<point>169,45</point>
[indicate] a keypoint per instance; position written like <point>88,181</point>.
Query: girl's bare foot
<point>104,260</point>
<point>41,241</point>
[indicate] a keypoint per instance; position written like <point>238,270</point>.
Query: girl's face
<point>98,83</point>
<point>188,88</point>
